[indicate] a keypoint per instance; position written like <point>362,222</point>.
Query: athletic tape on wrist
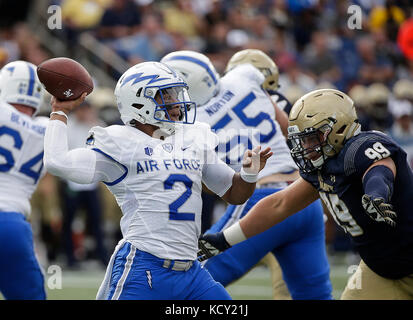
<point>248,177</point>
<point>60,113</point>
<point>234,234</point>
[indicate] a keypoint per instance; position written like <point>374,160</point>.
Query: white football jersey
<point>21,158</point>
<point>243,117</point>
<point>160,192</point>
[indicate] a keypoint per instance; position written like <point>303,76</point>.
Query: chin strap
<point>162,133</point>
<point>319,162</point>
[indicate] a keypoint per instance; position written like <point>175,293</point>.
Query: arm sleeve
<point>216,175</point>
<point>79,165</point>
<point>378,182</point>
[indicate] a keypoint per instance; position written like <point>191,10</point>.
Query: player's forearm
<point>76,165</point>
<point>240,190</point>
<point>265,214</point>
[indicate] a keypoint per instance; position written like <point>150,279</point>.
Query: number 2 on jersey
<point>26,167</point>
<point>174,206</point>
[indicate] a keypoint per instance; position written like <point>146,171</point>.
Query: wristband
<point>248,177</point>
<point>234,234</point>
<point>60,113</point>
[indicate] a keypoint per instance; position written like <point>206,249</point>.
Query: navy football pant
<point>298,243</point>
<point>138,275</point>
<point>20,274</point>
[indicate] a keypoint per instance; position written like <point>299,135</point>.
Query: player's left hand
<point>211,244</point>
<point>378,210</point>
<point>254,160</point>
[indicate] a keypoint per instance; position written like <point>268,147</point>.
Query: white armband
<point>248,177</point>
<point>234,234</point>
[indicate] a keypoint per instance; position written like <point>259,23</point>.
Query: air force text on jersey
<point>166,164</point>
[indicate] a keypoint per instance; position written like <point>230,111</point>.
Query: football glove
<point>211,244</point>
<point>378,210</point>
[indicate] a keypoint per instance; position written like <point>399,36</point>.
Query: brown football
<point>64,78</point>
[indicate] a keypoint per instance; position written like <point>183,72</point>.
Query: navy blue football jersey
<point>387,250</point>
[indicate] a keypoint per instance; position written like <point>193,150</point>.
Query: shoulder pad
<point>366,148</point>
<point>247,72</point>
<point>111,140</point>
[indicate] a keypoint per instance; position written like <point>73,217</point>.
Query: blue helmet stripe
<point>32,80</point>
<point>138,77</point>
<point>198,62</point>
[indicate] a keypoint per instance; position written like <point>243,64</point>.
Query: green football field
<point>256,285</point>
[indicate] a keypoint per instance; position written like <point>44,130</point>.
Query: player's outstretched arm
<point>265,214</point>
<point>276,207</point>
<point>378,189</point>
<point>243,183</point>
<point>281,117</point>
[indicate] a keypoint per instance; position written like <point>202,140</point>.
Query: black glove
<point>211,244</point>
<point>378,210</point>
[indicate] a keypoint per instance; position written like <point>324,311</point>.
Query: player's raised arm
<point>265,214</point>
<point>75,165</point>
<point>78,165</point>
<point>243,183</point>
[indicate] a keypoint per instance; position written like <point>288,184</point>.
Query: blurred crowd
<point>310,41</point>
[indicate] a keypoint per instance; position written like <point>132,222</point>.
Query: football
<point>64,78</point>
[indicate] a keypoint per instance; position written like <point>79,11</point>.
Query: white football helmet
<point>145,93</point>
<point>19,84</point>
<point>198,72</point>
